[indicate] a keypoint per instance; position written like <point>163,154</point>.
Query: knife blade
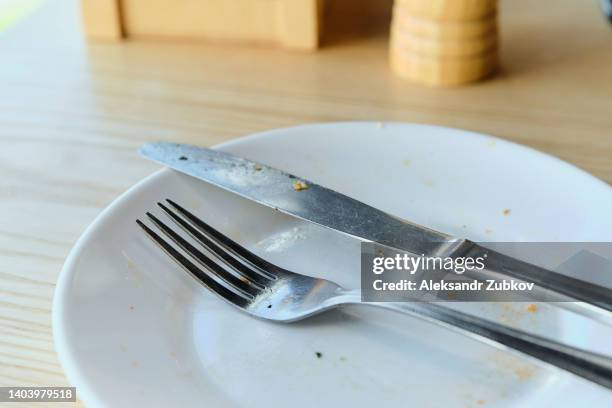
<point>309,201</point>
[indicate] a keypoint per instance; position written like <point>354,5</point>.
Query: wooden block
<point>252,21</point>
<point>102,19</point>
<point>292,24</point>
<point>444,30</point>
<point>448,9</point>
<point>299,23</point>
<point>451,47</point>
<point>442,71</point>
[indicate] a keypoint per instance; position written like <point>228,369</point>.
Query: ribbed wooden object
<point>444,42</point>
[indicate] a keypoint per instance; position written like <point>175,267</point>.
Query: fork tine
<point>264,267</point>
<point>198,273</point>
<point>230,280</point>
<point>243,270</point>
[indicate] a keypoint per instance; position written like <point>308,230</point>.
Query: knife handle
<point>568,287</point>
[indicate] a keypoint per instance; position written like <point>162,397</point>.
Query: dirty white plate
<point>133,330</point>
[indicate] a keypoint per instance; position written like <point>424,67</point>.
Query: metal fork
<point>268,291</point>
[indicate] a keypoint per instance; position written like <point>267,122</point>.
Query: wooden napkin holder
<point>292,24</point>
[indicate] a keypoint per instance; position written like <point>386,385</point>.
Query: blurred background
<point>551,90</point>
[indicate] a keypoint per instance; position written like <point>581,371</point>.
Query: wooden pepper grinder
<point>444,42</point>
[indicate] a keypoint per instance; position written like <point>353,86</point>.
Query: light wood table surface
<point>72,116</point>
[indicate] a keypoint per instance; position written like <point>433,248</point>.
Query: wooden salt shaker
<point>444,42</point>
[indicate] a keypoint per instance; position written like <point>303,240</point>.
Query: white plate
<point>132,329</point>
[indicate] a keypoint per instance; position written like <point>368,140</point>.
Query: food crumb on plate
<point>318,354</point>
<point>523,373</point>
<point>131,307</point>
<point>506,211</point>
<point>531,308</point>
<point>481,402</point>
<point>300,185</point>
<point>429,182</point>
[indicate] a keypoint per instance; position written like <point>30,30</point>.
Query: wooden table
<point>71,117</point>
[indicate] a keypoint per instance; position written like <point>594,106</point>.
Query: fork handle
<point>591,366</point>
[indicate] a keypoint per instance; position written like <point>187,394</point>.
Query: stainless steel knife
<point>314,203</point>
